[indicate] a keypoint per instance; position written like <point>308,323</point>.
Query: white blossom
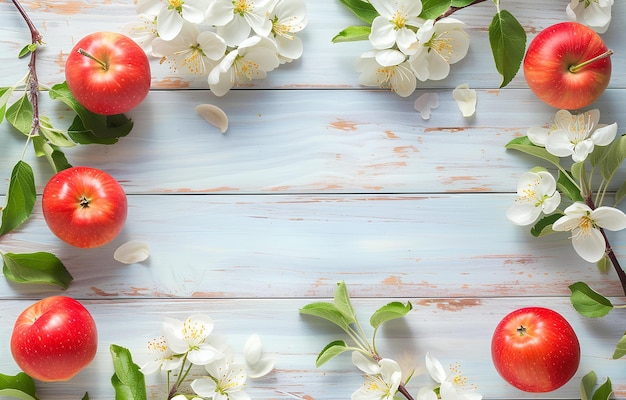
<point>190,337</point>
<point>585,223</point>
<point>453,386</point>
<point>226,381</point>
<point>143,32</point>
<point>288,17</point>
<point>235,19</point>
<point>164,357</point>
<point>594,13</point>
<point>382,378</point>
<point>536,193</point>
<point>393,25</point>
<point>171,14</point>
<point>574,135</point>
<point>440,44</point>
<point>386,69</point>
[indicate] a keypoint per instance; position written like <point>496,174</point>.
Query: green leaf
<point>54,136</point>
<point>40,267</point>
<point>20,115</point>
<point>20,386</point>
<point>568,188</point>
<point>128,382</point>
<point>363,10</point>
<point>613,158</point>
<point>5,95</point>
<point>604,391</point>
<point>389,312</point>
<point>524,145</point>
<point>353,34</point>
<point>343,303</point>
<point>620,349</point>
<point>21,197</point>
<point>89,127</point>
<point>86,396</point>
<point>620,194</point>
<point>587,384</point>
<point>543,226</point>
<point>431,9</point>
<point>327,311</point>
<point>26,50</point>
<point>508,45</point>
<point>603,264</point>
<point>332,350</point>
<point>461,3</point>
<point>588,302</point>
<point>53,154</point>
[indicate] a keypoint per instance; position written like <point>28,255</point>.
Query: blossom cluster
<point>229,42</point>
<point>184,344</point>
<point>575,136</point>
<point>407,48</point>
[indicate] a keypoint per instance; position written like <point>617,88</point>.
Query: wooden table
<point>317,180</point>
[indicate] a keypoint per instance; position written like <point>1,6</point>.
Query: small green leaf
<point>21,197</point>
<point>343,303</point>
<point>568,188</point>
<point>524,145</point>
<point>431,9</point>
<point>26,50</point>
<point>587,384</point>
<point>603,264</point>
<point>620,194</point>
<point>604,391</point>
<point>20,115</point>
<point>353,34</point>
<point>508,45</point>
<point>40,268</point>
<point>128,381</point>
<point>20,386</point>
<point>543,226</point>
<point>86,396</point>
<point>89,127</point>
<point>613,157</point>
<point>461,3</point>
<point>53,154</point>
<point>327,311</point>
<point>363,10</point>
<point>588,302</point>
<point>54,136</point>
<point>620,349</point>
<point>5,95</point>
<point>389,312</point>
<point>331,351</point>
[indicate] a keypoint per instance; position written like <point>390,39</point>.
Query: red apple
<point>567,65</point>
<point>84,206</point>
<point>54,339</point>
<point>108,73</point>
<point>535,349</point>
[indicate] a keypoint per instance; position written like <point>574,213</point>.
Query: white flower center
<point>242,7</point>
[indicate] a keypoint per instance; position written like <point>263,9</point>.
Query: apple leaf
<point>332,350</point>
<point>587,384</point>
<point>604,391</point>
<point>329,312</point>
<point>543,227</point>
<point>461,3</point>
<point>21,197</point>
<point>508,44</point>
<point>88,127</point>
<point>55,156</point>
<point>620,194</point>
<point>588,302</point>
<point>363,10</point>
<point>128,381</point>
<point>432,9</point>
<point>389,312</point>
<point>353,34</point>
<point>613,157</point>
<point>5,95</point>
<point>524,145</point>
<point>620,349</point>
<point>20,386</point>
<point>343,303</point>
<point>40,268</point>
<point>86,396</point>
<point>54,136</point>
<point>568,188</point>
<point>20,115</point>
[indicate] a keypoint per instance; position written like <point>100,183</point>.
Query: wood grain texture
<point>317,180</point>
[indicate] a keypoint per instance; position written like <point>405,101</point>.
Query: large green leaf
<point>21,197</point>
<point>604,391</point>
<point>389,312</point>
<point>588,302</point>
<point>461,3</point>
<point>128,381</point>
<point>20,115</point>
<point>567,187</point>
<point>508,44</point>
<point>20,386</point>
<point>431,9</point>
<point>363,10</point>
<point>331,351</point>
<point>89,127</point>
<point>613,157</point>
<point>5,95</point>
<point>620,349</point>
<point>587,385</point>
<point>543,226</point>
<point>353,34</point>
<point>329,312</point>
<point>37,267</point>
<point>524,145</point>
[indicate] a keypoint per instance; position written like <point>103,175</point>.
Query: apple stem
<point>521,330</point>
<point>575,68</point>
<point>104,65</point>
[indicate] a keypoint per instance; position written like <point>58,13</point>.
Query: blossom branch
<point>32,85</point>
<point>453,9</point>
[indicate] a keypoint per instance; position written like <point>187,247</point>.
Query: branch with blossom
<point>595,151</point>
<point>229,42</point>
<point>384,378</point>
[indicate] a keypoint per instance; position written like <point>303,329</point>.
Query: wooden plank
<point>453,330</point>
<point>294,246</point>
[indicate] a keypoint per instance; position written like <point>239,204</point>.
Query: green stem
<point>577,67</point>
<point>104,65</point>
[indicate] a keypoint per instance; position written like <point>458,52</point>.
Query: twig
<point>453,9</point>
<point>33,82</point>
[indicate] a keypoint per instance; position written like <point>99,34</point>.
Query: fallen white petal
<point>465,99</point>
<point>252,349</point>
<point>425,103</point>
<point>131,252</point>
<point>214,116</point>
<point>262,367</point>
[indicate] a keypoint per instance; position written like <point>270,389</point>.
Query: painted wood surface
<point>317,180</point>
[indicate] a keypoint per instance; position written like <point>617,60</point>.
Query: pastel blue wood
<point>316,181</point>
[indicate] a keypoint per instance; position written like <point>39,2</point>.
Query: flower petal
<point>425,103</point>
<point>465,99</point>
<point>133,251</point>
<point>609,218</point>
<point>603,136</point>
<point>590,246</point>
<point>435,369</point>
<point>253,349</point>
<point>364,363</point>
